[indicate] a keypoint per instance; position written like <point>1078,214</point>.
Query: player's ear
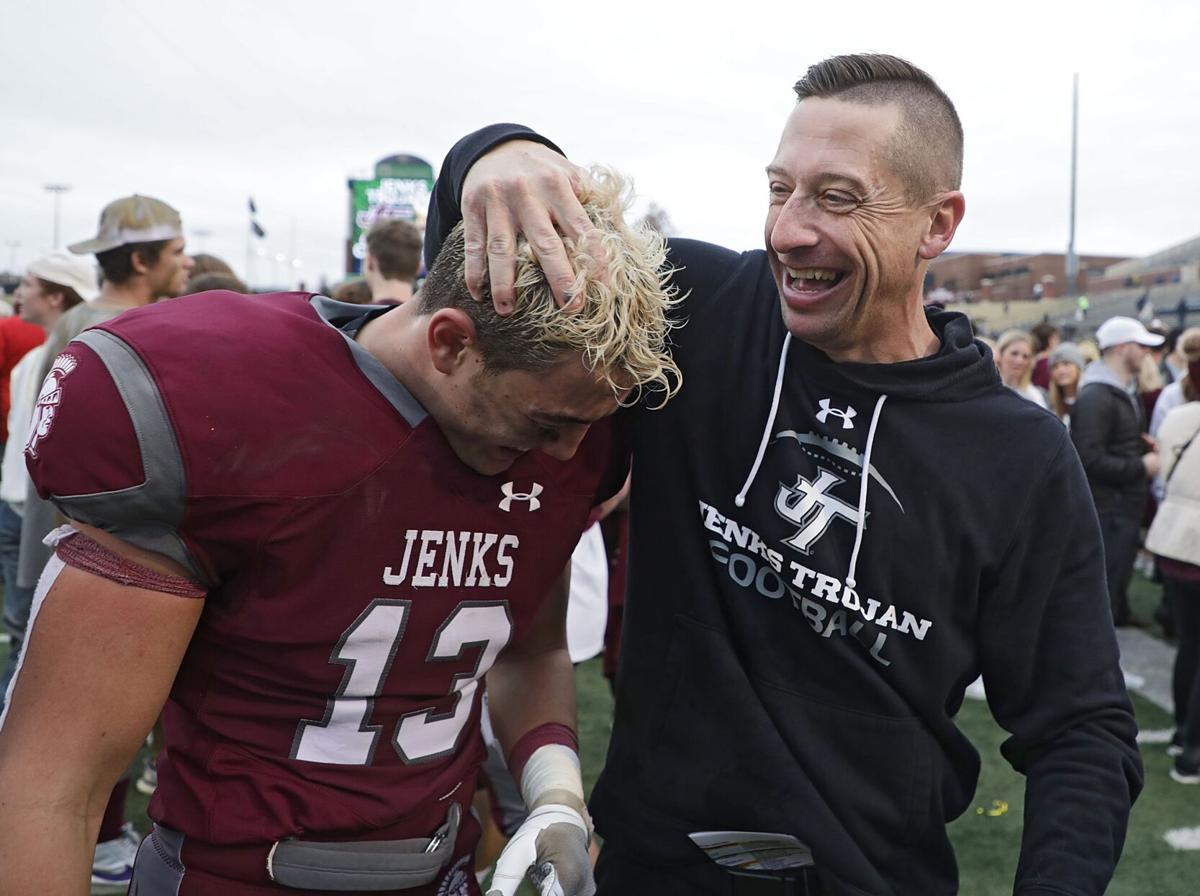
<point>451,339</point>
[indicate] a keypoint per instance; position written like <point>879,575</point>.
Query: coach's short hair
<point>396,247</point>
<point>622,328</point>
<point>927,151</point>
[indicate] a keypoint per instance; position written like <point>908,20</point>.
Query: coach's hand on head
<point>522,187</point>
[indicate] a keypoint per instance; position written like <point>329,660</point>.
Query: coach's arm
<point>502,181</point>
<point>98,664</point>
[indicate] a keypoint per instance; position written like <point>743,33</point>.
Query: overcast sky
<point>204,104</point>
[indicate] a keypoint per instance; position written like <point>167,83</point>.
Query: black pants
<point>1120,534</point>
<point>618,873</point>
<point>1185,683</point>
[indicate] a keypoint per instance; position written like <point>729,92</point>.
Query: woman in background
<point>1066,367</point>
<point>1175,538</point>
<point>1014,360</point>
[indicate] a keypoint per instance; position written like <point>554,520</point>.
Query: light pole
<point>1072,261</point>
<point>201,233</point>
<point>57,190</point>
<point>13,246</point>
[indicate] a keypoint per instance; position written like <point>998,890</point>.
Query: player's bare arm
<point>533,681</point>
<point>72,727</point>
<point>521,187</point>
<point>531,692</point>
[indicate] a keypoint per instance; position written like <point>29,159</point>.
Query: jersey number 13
<point>346,737</point>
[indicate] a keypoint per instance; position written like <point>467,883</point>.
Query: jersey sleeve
<point>102,449</point>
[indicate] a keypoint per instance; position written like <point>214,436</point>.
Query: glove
<point>552,848</point>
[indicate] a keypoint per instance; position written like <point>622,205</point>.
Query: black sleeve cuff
<point>445,204</point>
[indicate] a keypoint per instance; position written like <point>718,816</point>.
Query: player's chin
<point>495,461</point>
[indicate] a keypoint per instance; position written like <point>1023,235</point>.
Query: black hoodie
<point>813,585</point>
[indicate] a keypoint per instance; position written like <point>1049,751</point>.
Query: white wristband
<point>552,771</point>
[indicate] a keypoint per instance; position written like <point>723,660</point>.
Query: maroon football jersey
<point>362,578</point>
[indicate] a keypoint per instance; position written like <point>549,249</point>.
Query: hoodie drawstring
<point>862,491</point>
<point>740,500</point>
<point>861,525</point>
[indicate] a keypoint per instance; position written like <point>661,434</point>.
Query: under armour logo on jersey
<point>827,411</point>
<point>510,495</point>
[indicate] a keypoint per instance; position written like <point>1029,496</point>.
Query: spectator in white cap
<point>52,285</point>
<point>1108,426</point>
<point>140,249</point>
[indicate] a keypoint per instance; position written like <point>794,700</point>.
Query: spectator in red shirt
<point>17,337</point>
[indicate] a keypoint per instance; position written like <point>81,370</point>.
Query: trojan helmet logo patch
<point>48,401</point>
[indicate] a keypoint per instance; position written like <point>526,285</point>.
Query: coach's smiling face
<point>846,243</point>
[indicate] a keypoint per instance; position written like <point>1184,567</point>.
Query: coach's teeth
<point>812,274</point>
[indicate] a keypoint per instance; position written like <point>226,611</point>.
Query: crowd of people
<point>339,517</point>
<point>1116,392</point>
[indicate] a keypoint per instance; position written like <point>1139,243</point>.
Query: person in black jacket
<point>830,531</point>
<point>1109,430</point>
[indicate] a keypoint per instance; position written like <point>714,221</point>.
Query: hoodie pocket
<point>738,751</point>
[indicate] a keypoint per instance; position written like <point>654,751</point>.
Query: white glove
<point>552,848</point>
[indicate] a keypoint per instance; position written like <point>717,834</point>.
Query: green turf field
<point>987,844</point>
<point>986,841</point>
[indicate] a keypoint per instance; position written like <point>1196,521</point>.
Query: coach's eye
<point>839,201</point>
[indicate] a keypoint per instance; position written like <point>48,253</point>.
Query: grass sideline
<point>986,845</point>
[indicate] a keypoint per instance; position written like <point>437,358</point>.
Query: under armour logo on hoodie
<point>827,411</point>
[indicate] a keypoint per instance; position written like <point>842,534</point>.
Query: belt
<point>364,866</point>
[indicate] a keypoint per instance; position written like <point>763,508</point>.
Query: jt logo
<point>810,506</point>
<point>510,495</point>
<point>827,411</point>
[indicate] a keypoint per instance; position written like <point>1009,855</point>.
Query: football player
<point>303,531</point>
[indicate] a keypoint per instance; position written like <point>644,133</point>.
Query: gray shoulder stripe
<point>149,514</point>
<point>348,320</point>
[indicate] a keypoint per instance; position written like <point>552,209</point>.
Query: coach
<point>830,527</point>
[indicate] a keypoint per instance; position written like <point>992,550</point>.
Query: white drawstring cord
<point>862,491</point>
<point>740,500</point>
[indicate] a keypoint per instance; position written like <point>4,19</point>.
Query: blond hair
<point>622,326</point>
<point>1149,378</point>
<point>1188,345</point>
<point>1012,337</point>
